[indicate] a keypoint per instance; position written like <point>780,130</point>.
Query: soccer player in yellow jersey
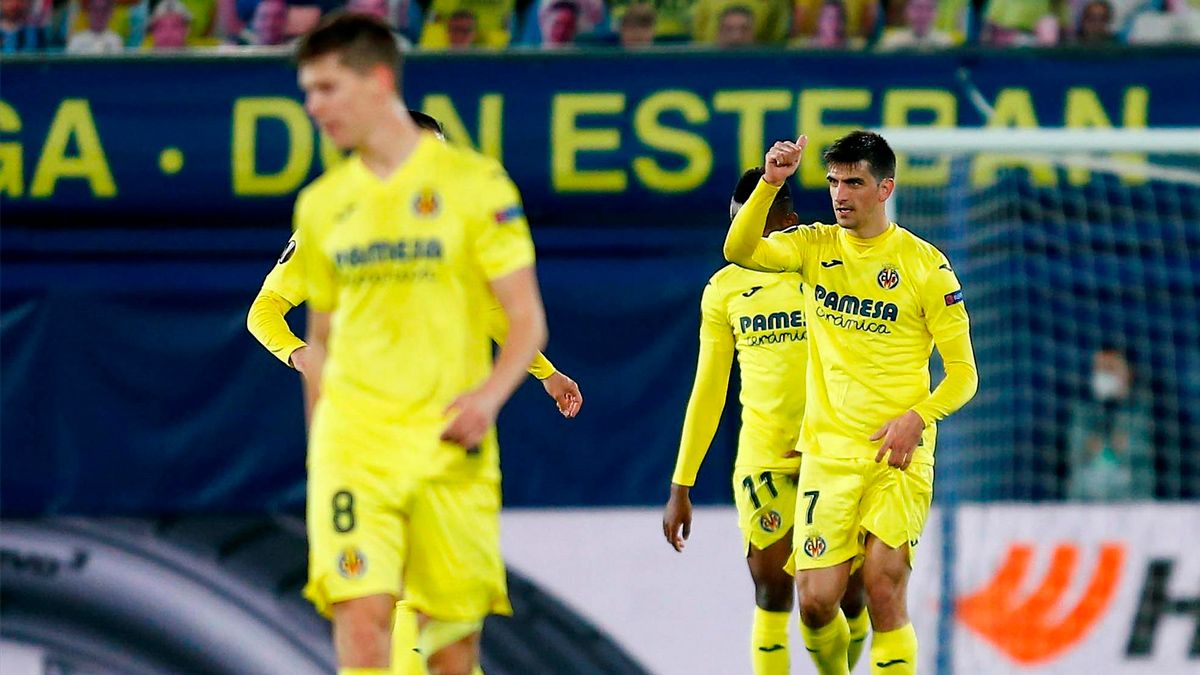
<point>878,299</point>
<point>404,246</point>
<point>758,316</point>
<point>284,288</point>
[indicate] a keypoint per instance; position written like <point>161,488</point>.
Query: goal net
<point>1079,254</point>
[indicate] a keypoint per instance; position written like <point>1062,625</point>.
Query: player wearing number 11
<point>878,299</point>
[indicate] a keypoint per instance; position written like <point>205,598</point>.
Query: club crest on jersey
<point>427,203</point>
<point>770,522</point>
<point>814,546</point>
<point>351,563</point>
<point>889,277</point>
<point>287,251</point>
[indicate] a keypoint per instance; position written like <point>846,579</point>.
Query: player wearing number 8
<point>404,246</point>
<point>878,299</point>
<point>759,317</point>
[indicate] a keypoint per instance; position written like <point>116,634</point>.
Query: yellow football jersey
<point>404,265</point>
<point>875,309</point>
<point>286,279</point>
<point>765,314</point>
<point>759,316</point>
<point>287,276</point>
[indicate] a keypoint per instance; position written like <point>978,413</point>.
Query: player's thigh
<point>827,516</point>
<point>896,505</point>
<point>766,506</point>
<point>356,534</point>
<point>452,647</point>
<point>455,570</point>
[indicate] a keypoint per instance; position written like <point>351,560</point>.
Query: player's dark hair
<point>746,185</point>
<point>427,122</point>
<point>361,42</point>
<point>868,146</point>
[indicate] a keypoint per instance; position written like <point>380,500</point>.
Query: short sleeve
<point>316,268</point>
<point>502,241</point>
<point>286,278</point>
<point>942,302</point>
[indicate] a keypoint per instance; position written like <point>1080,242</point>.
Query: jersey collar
<point>864,247</point>
<point>424,143</point>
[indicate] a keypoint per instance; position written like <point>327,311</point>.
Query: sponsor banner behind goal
<point>1045,589</point>
<point>1076,589</point>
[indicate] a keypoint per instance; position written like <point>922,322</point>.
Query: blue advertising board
<point>226,141</point>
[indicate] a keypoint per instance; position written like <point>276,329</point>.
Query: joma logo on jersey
<point>385,251</point>
<point>773,321</point>
<point>867,308</point>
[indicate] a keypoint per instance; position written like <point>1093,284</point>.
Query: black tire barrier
<point>219,595</point>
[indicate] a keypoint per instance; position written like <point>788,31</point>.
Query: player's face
<point>857,195</point>
<point>341,100</point>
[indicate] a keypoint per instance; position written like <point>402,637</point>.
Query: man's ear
<point>886,187</point>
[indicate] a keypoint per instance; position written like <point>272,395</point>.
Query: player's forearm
<point>497,327</point>
<point>527,335</point>
<point>959,385</point>
<point>312,391</point>
<point>318,342</point>
<point>267,323</point>
<point>541,368</point>
<point>744,244</point>
<point>703,415</point>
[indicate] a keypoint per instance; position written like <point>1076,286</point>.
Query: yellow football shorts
<point>766,505</point>
<point>840,500</point>
<point>378,531</point>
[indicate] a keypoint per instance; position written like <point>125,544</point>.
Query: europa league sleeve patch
<point>288,251</point>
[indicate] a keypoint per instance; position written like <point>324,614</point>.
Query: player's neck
<point>870,230</point>
<point>390,143</point>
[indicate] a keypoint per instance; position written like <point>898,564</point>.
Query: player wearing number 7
<point>878,300</point>
<point>759,317</point>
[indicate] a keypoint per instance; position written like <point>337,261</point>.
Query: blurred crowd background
<point>121,26</point>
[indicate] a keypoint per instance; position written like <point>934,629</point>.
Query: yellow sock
<point>769,642</point>
<point>894,652</point>
<point>406,660</point>
<point>860,626</point>
<point>363,671</point>
<point>827,645</point>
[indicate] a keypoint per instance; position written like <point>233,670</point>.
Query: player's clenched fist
<point>783,159</point>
